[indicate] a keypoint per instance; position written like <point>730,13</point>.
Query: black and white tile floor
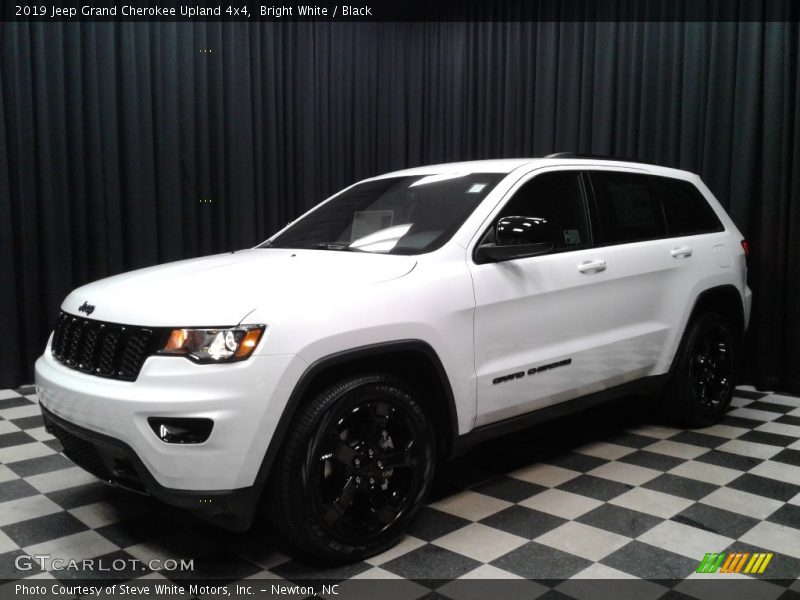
<point>607,494</point>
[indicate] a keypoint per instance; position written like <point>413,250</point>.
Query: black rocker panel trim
<point>487,432</point>
<point>339,358</point>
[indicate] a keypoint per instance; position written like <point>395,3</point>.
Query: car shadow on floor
<point>542,442</point>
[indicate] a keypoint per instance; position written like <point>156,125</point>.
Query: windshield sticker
<point>366,222</point>
<point>476,188</point>
<point>572,237</point>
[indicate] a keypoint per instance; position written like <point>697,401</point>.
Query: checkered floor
<point>604,494</point>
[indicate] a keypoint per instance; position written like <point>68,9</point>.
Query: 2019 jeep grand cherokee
<point>322,374</point>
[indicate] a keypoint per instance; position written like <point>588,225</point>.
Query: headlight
<point>213,345</point>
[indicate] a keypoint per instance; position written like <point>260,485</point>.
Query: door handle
<point>682,252</point>
<point>592,266</point>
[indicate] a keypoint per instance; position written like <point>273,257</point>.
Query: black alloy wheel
<point>703,373</point>
<point>365,467</point>
<point>355,470</point>
<point>711,368</point>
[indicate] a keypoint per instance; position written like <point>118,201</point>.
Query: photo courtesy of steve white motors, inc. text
<point>160,589</point>
<point>189,11</point>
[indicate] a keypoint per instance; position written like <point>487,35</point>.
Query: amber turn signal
<point>248,344</point>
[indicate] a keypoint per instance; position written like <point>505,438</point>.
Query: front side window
<point>628,209</point>
<point>555,200</point>
<point>394,215</point>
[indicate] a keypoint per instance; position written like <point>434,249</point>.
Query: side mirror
<point>515,231</point>
<point>517,237</point>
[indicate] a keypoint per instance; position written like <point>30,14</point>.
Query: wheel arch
<point>413,361</point>
<point>725,300</point>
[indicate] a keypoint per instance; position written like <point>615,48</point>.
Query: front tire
<point>354,470</point>
<point>701,382</point>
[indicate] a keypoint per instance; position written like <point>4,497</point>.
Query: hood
<point>223,289</point>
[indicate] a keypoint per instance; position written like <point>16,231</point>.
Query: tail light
<point>746,248</point>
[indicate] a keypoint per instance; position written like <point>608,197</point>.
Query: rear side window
<point>686,209</point>
<point>628,209</point>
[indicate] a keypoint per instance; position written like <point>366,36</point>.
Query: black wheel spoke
<point>349,490</point>
<point>383,511</point>
<point>399,458</point>
<point>344,453</point>
<point>338,507</point>
<point>375,429</point>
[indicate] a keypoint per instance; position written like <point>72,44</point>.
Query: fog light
<point>181,430</point>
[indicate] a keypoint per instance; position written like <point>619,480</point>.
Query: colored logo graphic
<point>734,562</point>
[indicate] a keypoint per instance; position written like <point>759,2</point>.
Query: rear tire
<point>354,470</point>
<point>701,381</point>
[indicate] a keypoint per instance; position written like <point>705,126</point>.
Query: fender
<point>370,351</point>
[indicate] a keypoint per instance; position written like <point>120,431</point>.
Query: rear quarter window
<point>686,209</point>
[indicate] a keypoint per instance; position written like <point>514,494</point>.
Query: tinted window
<point>685,207</point>
<point>628,209</point>
<point>557,198</point>
<point>393,215</point>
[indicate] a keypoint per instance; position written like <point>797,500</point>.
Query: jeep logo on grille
<point>86,308</point>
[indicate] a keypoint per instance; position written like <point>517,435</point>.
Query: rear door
<point>691,224</point>
<point>656,270</point>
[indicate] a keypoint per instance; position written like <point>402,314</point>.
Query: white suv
<point>321,375</point>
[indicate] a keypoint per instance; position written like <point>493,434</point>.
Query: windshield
<point>395,215</point>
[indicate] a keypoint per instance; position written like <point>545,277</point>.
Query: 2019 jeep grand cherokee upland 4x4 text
<point>322,374</point>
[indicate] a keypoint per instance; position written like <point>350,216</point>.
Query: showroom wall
<point>125,145</point>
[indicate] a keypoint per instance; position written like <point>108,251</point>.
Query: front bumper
<point>116,463</point>
<point>244,400</point>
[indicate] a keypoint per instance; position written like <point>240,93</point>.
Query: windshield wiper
<point>320,246</point>
<point>343,247</point>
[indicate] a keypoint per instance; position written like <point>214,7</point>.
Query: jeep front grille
<point>103,349</point>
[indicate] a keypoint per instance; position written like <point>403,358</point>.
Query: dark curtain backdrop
<point>113,135</point>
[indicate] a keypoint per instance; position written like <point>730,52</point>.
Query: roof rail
<point>596,157</point>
